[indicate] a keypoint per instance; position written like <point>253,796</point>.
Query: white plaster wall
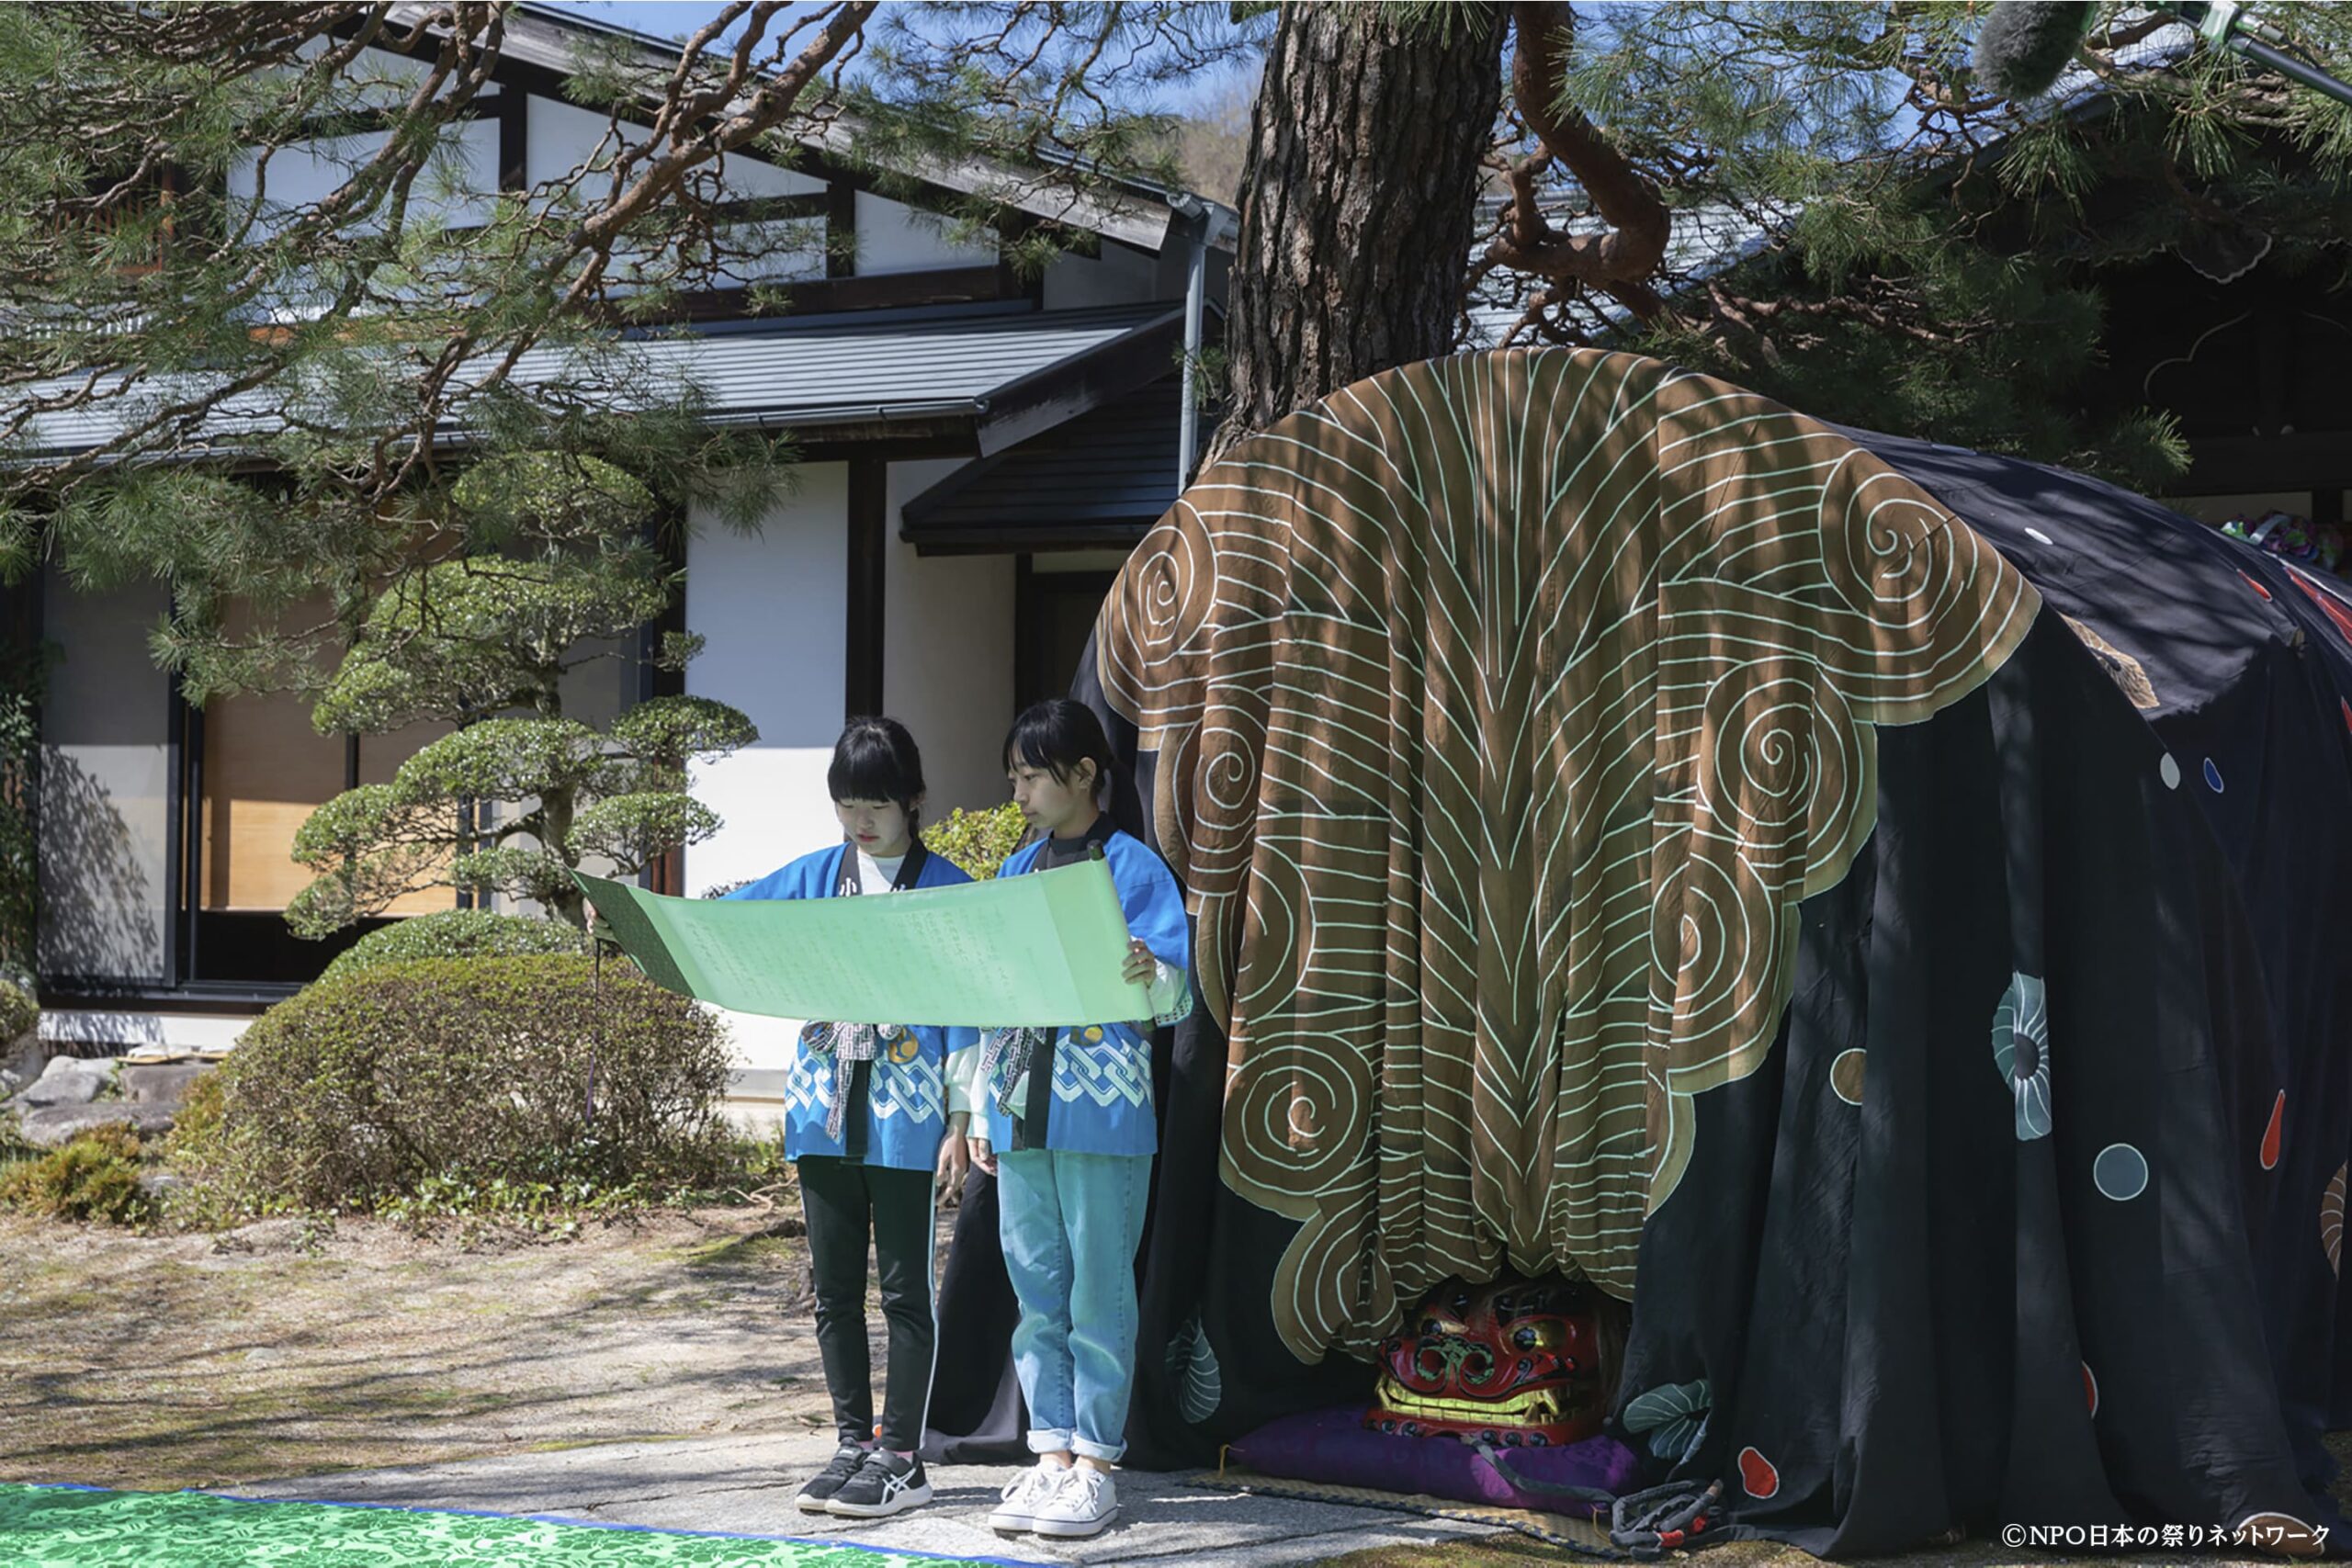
<point>894,237</point>
<point>560,136</point>
<point>947,671</point>
<point>771,605</point>
<point>376,79</point>
<point>86,1032</point>
<point>1118,276</point>
<point>105,884</point>
<point>456,188</point>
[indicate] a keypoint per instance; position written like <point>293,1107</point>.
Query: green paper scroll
<point>1044,949</point>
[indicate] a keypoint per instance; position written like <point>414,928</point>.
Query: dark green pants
<point>846,1204</point>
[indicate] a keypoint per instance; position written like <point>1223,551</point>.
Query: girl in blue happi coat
<point>1067,1128</point>
<point>875,1121</point>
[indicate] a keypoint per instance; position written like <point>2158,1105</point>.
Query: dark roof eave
<point>954,418</point>
<point>1031,540</point>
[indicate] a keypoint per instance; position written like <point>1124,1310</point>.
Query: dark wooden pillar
<point>668,535</point>
<point>869,545</point>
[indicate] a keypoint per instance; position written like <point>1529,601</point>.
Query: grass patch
<point>1457,1553</point>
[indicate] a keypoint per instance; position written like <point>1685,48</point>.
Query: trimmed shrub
<point>978,840</point>
<point>19,1012</point>
<point>456,933</point>
<point>198,1120</point>
<point>94,1176</point>
<point>411,1077</point>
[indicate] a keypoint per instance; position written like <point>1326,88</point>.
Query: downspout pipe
<point>1193,213</point>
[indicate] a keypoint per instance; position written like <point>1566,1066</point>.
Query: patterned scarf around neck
<point>1006,1055</point>
<point>847,1045</point>
<point>1005,1058</point>
<point>851,1043</point>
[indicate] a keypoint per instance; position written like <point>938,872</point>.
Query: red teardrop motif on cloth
<point>1757,1474</point>
<point>2326,603</point>
<point>2271,1133</point>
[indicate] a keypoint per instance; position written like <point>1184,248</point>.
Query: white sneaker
<point>1023,1496</point>
<point>1080,1506</point>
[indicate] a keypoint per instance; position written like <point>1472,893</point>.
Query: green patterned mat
<point>73,1526</point>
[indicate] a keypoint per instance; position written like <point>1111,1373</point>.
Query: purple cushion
<point>1333,1447</point>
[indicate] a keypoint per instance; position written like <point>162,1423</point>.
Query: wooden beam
<point>1027,541</point>
<point>1025,629</point>
<point>182,832</point>
<point>823,446</point>
<point>818,297</point>
<point>514,138</point>
<point>840,228</point>
<point>668,872</point>
<point>1062,391</point>
<point>864,583</point>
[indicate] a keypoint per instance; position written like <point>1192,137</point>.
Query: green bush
<point>198,1120</point>
<point>409,1077</point>
<point>94,1176</point>
<point>457,934</point>
<point>19,1012</point>
<point>978,840</point>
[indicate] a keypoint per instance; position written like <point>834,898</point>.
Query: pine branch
<point>1620,262</point>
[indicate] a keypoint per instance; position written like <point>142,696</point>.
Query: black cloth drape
<point>1887,1313</point>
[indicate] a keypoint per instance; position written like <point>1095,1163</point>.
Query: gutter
<point>1193,213</point>
<point>849,414</point>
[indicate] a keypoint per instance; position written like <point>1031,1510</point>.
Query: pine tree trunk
<point>1357,201</point>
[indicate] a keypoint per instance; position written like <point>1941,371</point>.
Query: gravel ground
<point>200,1360</point>
<point>283,1350</point>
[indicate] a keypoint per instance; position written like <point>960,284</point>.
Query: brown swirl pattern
<point>1505,706</point>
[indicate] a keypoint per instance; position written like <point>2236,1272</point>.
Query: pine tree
<point>483,643</point>
<point>264,399</point>
<point>389,439</point>
<point>1819,200</point>
<point>1357,199</point>
<point>1860,227</point>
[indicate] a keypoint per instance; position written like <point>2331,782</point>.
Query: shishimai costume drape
<point>1635,830</point>
<point>1506,707</point>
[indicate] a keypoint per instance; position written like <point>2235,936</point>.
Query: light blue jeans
<point>1069,1224</point>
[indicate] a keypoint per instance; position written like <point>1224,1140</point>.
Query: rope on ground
<point>1679,1514</point>
<point>1645,1524</point>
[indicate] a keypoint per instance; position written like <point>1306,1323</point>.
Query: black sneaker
<point>821,1487</point>
<point>884,1484</point>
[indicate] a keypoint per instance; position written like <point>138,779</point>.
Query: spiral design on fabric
<point>1507,705</point>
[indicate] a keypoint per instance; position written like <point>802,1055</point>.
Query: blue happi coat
<point>1101,1072</point>
<point>922,1072</point>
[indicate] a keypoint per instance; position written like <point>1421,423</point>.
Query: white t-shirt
<point>877,875</point>
<point>963,1066</point>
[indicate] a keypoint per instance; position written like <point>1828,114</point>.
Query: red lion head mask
<point>1515,1363</point>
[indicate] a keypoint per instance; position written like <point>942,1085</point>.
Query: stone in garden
<point>67,1080</point>
<point>160,1084</point>
<point>21,1061</point>
<point>50,1125</point>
